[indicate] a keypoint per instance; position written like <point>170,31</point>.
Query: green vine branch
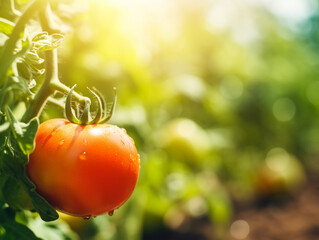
<point>51,82</point>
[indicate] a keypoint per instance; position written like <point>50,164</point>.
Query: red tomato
<point>83,170</point>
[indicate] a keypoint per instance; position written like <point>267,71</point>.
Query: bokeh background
<point>221,98</point>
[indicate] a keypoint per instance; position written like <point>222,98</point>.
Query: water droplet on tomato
<point>83,156</point>
<point>87,217</point>
<point>52,133</point>
<point>122,142</point>
<point>110,213</point>
<point>61,142</point>
<point>124,130</point>
<point>132,157</point>
<point>85,141</point>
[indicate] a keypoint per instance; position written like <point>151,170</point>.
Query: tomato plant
<point>83,170</point>
<point>79,167</point>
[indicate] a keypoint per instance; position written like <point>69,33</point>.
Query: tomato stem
<point>68,108</point>
<point>60,87</point>
<point>51,81</point>
<point>13,9</point>
<point>85,117</point>
<point>109,114</point>
<point>45,91</point>
<point>100,107</point>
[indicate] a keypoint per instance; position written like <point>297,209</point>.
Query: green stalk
<point>60,87</point>
<point>45,91</point>
<point>13,9</point>
<point>51,81</point>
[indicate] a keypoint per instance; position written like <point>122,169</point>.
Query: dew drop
<point>53,133</point>
<point>87,217</point>
<point>61,142</point>
<point>132,157</point>
<point>85,141</point>
<point>124,130</point>
<point>110,213</point>
<point>122,142</point>
<point>83,156</point>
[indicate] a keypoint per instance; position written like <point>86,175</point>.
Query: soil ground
<point>292,218</point>
<point>295,218</point>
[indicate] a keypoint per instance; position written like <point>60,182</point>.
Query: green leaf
<point>57,230</point>
<point>46,211</point>
<point>40,37</point>
<point>15,86</point>
<point>18,190</point>
<point>3,134</point>
<point>2,182</point>
<point>4,127</point>
<point>12,230</point>
<point>11,166</point>
<point>21,84</point>
<point>3,39</point>
<point>33,58</point>
<point>15,194</point>
<point>23,70</point>
<point>25,43</point>
<point>24,133</point>
<point>44,42</point>
<point>6,26</point>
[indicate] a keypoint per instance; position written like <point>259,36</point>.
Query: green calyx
<point>83,116</point>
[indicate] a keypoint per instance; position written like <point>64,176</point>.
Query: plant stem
<point>55,102</point>
<point>7,55</point>
<point>45,91</point>
<point>51,81</point>
<point>14,11</point>
<point>60,87</point>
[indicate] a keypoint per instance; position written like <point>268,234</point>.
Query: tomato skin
<point>83,170</point>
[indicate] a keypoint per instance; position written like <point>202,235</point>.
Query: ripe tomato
<point>83,170</point>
